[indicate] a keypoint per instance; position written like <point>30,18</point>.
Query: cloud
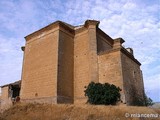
<point>152,85</point>
<point>150,82</point>
<point>10,60</point>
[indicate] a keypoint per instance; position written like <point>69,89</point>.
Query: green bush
<point>143,102</point>
<point>105,94</point>
<point>148,101</point>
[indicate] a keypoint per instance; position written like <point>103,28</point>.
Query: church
<point>61,59</point>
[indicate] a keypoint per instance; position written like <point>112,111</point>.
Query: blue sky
<point>136,21</point>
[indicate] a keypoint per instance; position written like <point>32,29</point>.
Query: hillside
<point>74,112</point>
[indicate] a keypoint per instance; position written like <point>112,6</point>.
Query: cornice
<point>55,25</point>
<point>91,22</point>
<point>107,37</point>
<point>128,54</point>
<point>123,50</point>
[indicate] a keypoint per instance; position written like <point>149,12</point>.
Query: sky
<point>136,21</point>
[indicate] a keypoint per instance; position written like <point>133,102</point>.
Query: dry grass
<point>73,112</point>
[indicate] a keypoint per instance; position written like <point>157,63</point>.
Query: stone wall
<point>110,69</point>
<point>5,101</point>
<point>102,44</point>
<point>81,65</point>
<point>5,92</point>
<point>132,80</point>
<point>65,68</point>
<point>39,75</point>
<point>93,60</point>
<point>85,60</point>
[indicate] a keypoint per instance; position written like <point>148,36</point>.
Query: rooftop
<point>15,83</point>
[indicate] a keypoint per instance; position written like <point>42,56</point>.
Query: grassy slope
<point>73,112</point>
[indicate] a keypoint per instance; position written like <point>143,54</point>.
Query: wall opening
<point>14,91</point>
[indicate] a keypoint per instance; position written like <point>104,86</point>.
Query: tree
<point>143,102</point>
<point>105,94</point>
<point>148,101</point>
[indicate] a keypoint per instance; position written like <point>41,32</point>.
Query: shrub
<point>105,94</point>
<point>148,101</point>
<point>143,102</point>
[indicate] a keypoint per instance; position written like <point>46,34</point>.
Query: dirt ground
<point>78,112</point>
